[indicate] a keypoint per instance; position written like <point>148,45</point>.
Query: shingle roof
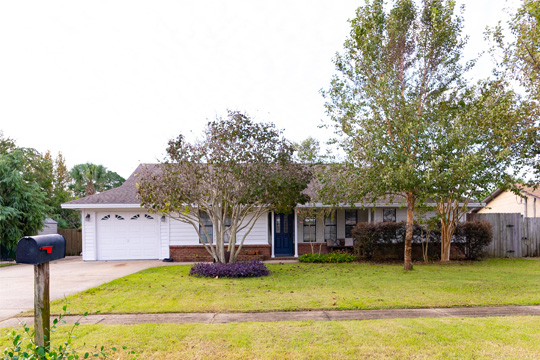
<point>124,194</point>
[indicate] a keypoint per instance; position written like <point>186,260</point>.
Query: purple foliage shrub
<point>239,269</point>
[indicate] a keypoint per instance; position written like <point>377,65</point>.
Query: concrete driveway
<point>67,276</point>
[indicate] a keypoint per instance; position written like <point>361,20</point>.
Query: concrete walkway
<point>221,318</point>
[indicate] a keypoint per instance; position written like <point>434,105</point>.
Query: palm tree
<point>89,176</point>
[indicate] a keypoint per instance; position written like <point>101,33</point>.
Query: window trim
<point>310,225</point>
<point>394,214</point>
<point>333,218</point>
<point>350,227</point>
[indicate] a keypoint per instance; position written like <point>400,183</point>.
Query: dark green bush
<point>333,257</point>
<point>385,240</point>
<point>472,237</point>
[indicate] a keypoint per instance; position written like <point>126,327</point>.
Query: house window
<point>351,219</point>
<point>207,223</point>
<point>389,215</point>
<point>227,225</point>
<point>310,229</point>
<point>330,227</point>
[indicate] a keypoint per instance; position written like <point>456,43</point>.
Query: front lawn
<point>301,286</point>
<point>448,338</point>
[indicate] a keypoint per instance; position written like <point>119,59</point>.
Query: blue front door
<point>284,235</point>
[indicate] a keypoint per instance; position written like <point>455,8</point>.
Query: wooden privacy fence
<point>513,235</point>
<point>73,241</point>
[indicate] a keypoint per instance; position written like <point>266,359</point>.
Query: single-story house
<point>505,201</point>
<point>115,227</point>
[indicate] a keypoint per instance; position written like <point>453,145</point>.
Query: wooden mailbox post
<point>39,251</point>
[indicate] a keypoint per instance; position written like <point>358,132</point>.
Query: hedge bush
<point>239,269</point>
<point>385,240</point>
<point>472,237</point>
<point>333,257</point>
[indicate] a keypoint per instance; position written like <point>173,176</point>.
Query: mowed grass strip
<point>301,286</point>
<point>448,338</point>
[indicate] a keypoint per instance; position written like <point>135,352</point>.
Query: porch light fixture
<point>163,218</point>
<point>87,217</point>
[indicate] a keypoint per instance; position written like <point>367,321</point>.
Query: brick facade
<point>198,253</point>
<point>305,248</point>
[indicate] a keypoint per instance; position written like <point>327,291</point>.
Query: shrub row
<point>385,240</point>
<point>333,257</point>
<point>239,269</point>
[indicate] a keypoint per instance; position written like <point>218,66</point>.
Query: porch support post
<point>295,233</point>
<point>273,232</point>
<point>369,215</point>
<point>534,207</point>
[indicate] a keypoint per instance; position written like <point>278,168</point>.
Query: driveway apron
<point>67,276</point>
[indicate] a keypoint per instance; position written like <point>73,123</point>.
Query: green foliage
<point>473,237</point>
<point>23,346</point>
<point>407,119</point>
<point>308,151</point>
<point>24,186</point>
<point>91,178</point>
<point>236,173</point>
<point>333,257</point>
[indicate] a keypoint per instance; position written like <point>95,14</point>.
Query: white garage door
<point>127,236</point>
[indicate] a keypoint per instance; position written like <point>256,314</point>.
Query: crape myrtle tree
<point>477,141</point>
<point>518,58</point>
<point>397,70</point>
<point>235,174</point>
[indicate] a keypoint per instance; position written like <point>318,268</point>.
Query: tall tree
<point>61,193</point>
<point>476,144</point>
<point>90,178</point>
<point>520,61</point>
<point>394,77</point>
<point>235,174</point>
<point>23,200</point>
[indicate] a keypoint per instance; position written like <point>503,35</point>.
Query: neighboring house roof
<point>123,196</point>
<point>525,190</point>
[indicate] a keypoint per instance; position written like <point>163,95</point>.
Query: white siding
<point>184,234</point>
<point>164,225</point>
<point>181,233</point>
<point>89,235</point>
<point>258,235</point>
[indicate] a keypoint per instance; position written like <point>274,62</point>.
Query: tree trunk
<point>409,233</point>
<point>447,230</point>
<point>445,243</point>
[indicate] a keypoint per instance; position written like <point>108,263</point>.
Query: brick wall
<point>198,253</point>
<point>304,248</point>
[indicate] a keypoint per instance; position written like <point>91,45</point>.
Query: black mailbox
<point>40,249</point>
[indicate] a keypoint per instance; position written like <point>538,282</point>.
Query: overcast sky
<point>110,82</point>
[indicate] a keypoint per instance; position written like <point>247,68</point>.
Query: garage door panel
<point>127,236</point>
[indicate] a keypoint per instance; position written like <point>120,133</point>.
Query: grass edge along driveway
<point>299,286</point>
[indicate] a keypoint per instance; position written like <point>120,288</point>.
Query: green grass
<point>447,338</point>
<point>300,286</point>
<point>8,264</point>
